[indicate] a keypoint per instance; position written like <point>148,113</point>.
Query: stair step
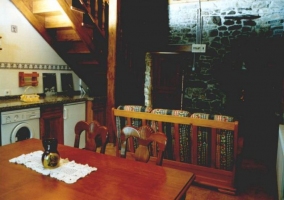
<point>85,58</point>
<point>78,47</point>
<point>44,6</point>
<point>71,47</point>
<point>57,21</point>
<point>86,63</point>
<point>67,35</point>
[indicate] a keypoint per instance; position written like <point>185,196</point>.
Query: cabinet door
<point>51,123</point>
<point>73,113</point>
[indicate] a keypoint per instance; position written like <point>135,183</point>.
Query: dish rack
<point>30,98</point>
<point>28,79</point>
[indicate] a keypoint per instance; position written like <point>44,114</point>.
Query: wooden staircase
<point>77,30</point>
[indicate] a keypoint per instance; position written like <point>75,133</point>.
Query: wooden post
<point>89,111</point>
<point>111,62</point>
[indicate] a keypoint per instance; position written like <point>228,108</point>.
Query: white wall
<point>25,46</point>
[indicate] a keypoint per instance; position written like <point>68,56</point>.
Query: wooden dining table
<point>115,178</point>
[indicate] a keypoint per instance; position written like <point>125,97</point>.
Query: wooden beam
<point>111,63</point>
<point>173,48</point>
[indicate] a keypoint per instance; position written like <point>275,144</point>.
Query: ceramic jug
<point>50,157</point>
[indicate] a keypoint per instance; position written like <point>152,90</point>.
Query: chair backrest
<point>95,134</point>
<point>147,138</point>
<point>120,122</point>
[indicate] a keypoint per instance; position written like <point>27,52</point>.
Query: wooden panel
<point>99,112</point>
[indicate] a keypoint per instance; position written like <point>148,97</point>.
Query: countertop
<point>15,103</point>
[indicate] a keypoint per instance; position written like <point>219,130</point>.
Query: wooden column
<point>111,62</point>
<point>89,111</point>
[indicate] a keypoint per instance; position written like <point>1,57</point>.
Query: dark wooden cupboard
<point>51,122</point>
<point>168,70</point>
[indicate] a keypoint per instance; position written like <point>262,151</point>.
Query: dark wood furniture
<point>148,142</point>
<point>96,135</point>
<point>116,178</point>
<point>167,80</point>
<point>223,180</point>
<point>51,122</point>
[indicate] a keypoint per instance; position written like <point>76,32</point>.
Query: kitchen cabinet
<point>51,122</point>
<point>99,110</point>
<point>58,121</point>
<point>72,113</point>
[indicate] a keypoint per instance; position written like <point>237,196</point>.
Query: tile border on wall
<point>33,66</point>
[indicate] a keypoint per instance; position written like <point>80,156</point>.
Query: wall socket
<point>7,92</point>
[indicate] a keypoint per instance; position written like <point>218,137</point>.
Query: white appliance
<point>280,163</point>
<point>72,113</point>
<point>19,125</point>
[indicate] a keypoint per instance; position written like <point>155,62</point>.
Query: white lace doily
<point>68,171</point>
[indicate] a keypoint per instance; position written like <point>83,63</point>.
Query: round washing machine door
<point>22,131</point>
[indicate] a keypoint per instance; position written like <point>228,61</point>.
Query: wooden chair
<point>94,133</point>
<point>119,122</point>
<point>147,141</point>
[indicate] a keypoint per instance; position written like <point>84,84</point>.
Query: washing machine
<point>19,125</point>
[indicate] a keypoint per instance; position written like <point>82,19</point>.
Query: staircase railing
<point>98,12</point>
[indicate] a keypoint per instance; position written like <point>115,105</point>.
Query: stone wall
<point>240,36</point>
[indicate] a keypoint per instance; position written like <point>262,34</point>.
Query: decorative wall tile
<point>33,66</point>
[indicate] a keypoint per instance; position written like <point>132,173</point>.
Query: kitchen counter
<point>16,103</point>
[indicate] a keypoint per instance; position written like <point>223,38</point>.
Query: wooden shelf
<point>28,79</point>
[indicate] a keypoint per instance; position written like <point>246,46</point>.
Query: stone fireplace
<point>240,37</point>
<point>241,73</point>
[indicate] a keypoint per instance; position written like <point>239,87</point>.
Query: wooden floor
<point>253,188</point>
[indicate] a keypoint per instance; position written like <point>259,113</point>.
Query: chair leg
<point>117,148</point>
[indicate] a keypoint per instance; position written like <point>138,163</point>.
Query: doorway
<point>167,72</point>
